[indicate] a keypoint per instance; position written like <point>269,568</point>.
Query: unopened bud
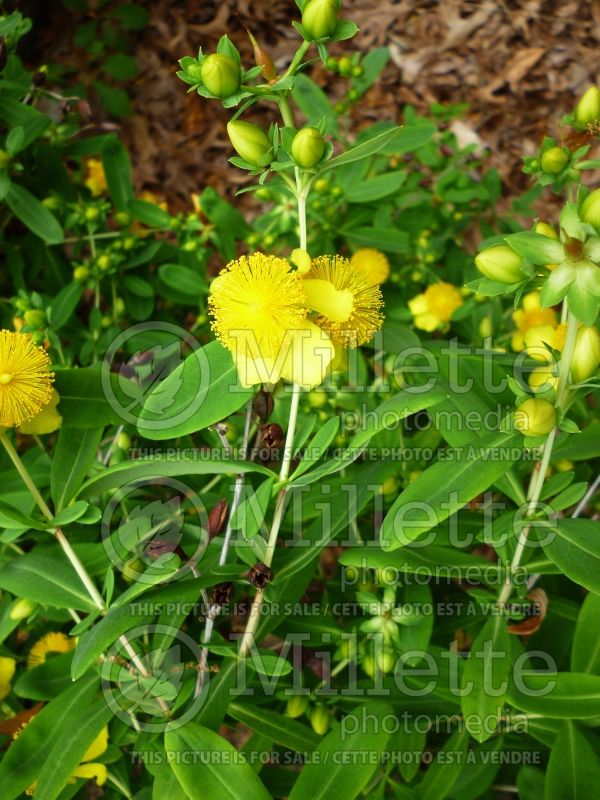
<point>588,108</point>
<point>590,209</point>
<point>535,417</point>
<point>308,147</point>
<point>320,719</point>
<point>586,358</point>
<point>250,142</point>
<point>263,405</point>
<point>545,230</point>
<point>296,705</point>
<point>4,159</point>
<point>542,379</point>
<point>554,160</point>
<point>217,518</point>
<point>386,660</point>
<point>319,18</point>
<point>220,74</point>
<point>500,263</point>
<point>21,609</point>
<point>35,318</point>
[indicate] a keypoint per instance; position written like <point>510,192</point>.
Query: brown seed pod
<point>263,405</point>
<point>222,593</point>
<point>260,575</point>
<point>217,518</point>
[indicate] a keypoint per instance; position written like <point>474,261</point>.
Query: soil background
<point>518,65</point>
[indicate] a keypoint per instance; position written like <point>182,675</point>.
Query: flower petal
<point>309,356</point>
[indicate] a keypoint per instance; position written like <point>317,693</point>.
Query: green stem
<point>538,476</point>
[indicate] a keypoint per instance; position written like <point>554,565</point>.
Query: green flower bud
<point>386,660</point>
<point>590,209</point>
<point>345,66</point>
<point>104,262</point>
<point>4,159</point>
<point>297,705</point>
<point>91,214</point>
<point>535,417</point>
<point>546,230</point>
<point>320,719</point>
<point>308,147</point>
<point>586,358</point>
<point>588,108</point>
<point>21,609</point>
<point>500,263</point>
<point>35,318</point>
<point>122,218</point>
<point>52,202</point>
<point>81,273</point>
<point>221,75</point>
<point>250,142</point>
<point>319,18</point>
<point>554,160</point>
<point>123,442</point>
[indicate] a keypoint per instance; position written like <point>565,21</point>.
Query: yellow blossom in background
<point>7,671</point>
<point>156,199</point>
<point>95,179</point>
<point>47,420</point>
<point>88,768</point>
<point>531,315</point>
<point>53,642</point>
<point>259,313</point>
<point>536,339</point>
<point>348,305</point>
<point>25,379</point>
<point>373,262</point>
<point>434,307</point>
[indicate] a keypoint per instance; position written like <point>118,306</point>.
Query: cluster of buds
<point>587,110</point>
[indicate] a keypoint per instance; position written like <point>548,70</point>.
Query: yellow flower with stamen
<point>53,642</point>
<point>531,315</point>
<point>374,263</point>
<point>433,308</point>
<point>348,305</point>
<point>259,314</point>
<point>25,379</point>
<point>7,671</point>
<point>95,179</point>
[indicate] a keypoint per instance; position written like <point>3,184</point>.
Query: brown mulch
<point>519,65</point>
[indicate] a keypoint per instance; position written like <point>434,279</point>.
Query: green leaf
<point>364,150</point>
<point>585,652</point>
<point>326,778</point>
<point>391,240</point>
<point>83,402</point>
<point>573,769</point>
<point>24,759</point>
<point>75,451</point>
<point>33,214</point>
<point>64,304</point>
<point>446,486</point>
<point>385,416</point>
<point>99,638</point>
<point>121,66</point>
<point>117,169</point>
<point>65,750</point>
<point>125,472</point>
<point>345,29</point>
<point>149,214</point>
<point>485,679</point>
<point>201,391</point>
<point>317,446</point>
<point>276,727</point>
<point>184,280</point>
<point>574,549</point>
<point>224,777</point>
<point>47,680</point>
<point>46,580</point>
<point>16,114</point>
<point>538,249</point>
<point>564,695</point>
<point>443,773</point>
<point>375,188</point>
<point>251,513</point>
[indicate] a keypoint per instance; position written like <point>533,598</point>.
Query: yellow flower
<point>53,642</point>
<point>434,308</point>
<point>259,310</point>
<point>536,338</point>
<point>532,315</point>
<point>25,379</point>
<point>95,179</point>
<point>348,305</point>
<point>7,670</point>
<point>88,769</point>
<point>47,420</point>
<point>151,197</point>
<point>373,262</point>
